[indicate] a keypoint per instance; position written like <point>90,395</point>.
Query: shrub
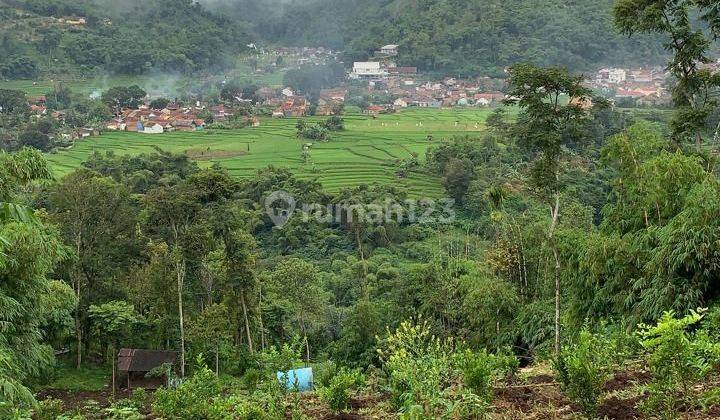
<point>478,373</point>
<point>419,366</point>
<point>334,123</point>
<point>192,398</point>
<point>430,376</point>
<point>48,409</point>
<point>677,360</point>
<point>582,368</point>
<point>243,407</point>
<point>337,393</point>
<point>122,413</point>
<point>480,369</point>
<point>324,372</point>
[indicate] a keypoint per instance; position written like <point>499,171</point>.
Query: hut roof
<point>141,360</point>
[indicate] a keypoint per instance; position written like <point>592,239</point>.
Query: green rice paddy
<point>364,153</point>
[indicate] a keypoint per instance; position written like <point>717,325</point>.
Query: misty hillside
<point>463,37</point>
<point>457,36</point>
<point>123,37</point>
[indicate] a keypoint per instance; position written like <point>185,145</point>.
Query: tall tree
<point>239,264</point>
<point>98,217</point>
<point>296,283</point>
<point>113,322</point>
<point>552,103</point>
<point>171,214</point>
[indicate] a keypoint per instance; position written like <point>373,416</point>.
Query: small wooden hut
<point>136,363</point>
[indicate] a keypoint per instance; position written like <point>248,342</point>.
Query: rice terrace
<point>365,152</point>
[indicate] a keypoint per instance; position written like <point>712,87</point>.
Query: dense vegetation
<point>574,237</point>
<point>128,37</point>
<point>461,37</point>
<point>455,36</point>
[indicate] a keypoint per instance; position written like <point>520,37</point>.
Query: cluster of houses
<point>285,103</point>
<point>404,85</point>
<point>171,118</point>
<point>644,86</point>
<point>447,93</point>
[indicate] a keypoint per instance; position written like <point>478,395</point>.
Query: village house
<point>152,121</point>
<point>488,98</point>
<point>296,106</point>
<point>73,20</point>
<point>220,113</point>
<point>373,110</point>
<point>155,128</point>
<point>610,76</point>
<point>402,102</point>
<point>330,101</point>
<point>367,70</point>
<point>390,49</point>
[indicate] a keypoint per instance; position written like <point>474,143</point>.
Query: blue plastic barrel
<point>300,378</point>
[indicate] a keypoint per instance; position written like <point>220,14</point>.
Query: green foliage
<point>123,97</point>
<point>424,372</point>
<point>310,78</point>
<point>324,372</point>
<point>334,123</point>
<point>177,43</point>
<point>337,392</point>
<point>678,358</point>
<point>48,409</point>
<point>454,37</point>
<point>582,369</point>
<point>129,408</point>
<point>28,254</point>
<point>320,131</point>
<point>191,399</point>
<point>689,46</point>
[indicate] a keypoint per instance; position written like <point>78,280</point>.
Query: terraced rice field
<point>364,153</point>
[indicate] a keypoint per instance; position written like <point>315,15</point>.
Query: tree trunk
<point>112,355</point>
<point>555,211</point>
<point>307,344</point>
<point>307,350</point>
<point>180,273</point>
<point>557,300</point>
<point>78,327</point>
<point>260,318</point>
<point>247,321</point>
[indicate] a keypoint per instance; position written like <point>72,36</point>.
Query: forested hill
<point>453,36</point>
<point>123,37</point>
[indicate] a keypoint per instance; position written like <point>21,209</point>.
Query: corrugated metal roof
<point>141,360</point>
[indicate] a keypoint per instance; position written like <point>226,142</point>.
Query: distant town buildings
<point>641,86</point>
<point>368,70</point>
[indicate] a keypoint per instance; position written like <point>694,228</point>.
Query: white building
<point>153,129</point>
<point>367,70</point>
<point>611,76</point>
<point>390,49</point>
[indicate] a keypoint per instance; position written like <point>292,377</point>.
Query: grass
<point>87,378</point>
<point>365,152</point>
